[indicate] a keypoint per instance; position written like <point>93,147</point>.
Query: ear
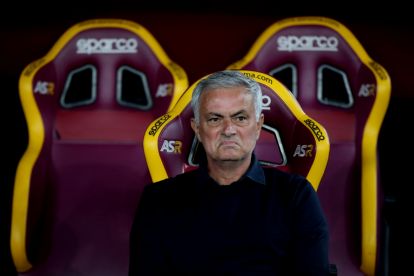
<point>195,128</point>
<point>259,125</point>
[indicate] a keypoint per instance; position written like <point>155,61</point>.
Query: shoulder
<point>174,185</point>
<point>288,185</point>
<point>282,179</point>
<point>295,192</point>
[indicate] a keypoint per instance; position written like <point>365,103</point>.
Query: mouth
<point>229,144</point>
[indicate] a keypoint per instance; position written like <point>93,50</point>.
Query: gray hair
<point>227,79</point>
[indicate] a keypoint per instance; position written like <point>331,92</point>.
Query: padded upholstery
<point>340,86</point>
<point>87,104</point>
<point>290,140</point>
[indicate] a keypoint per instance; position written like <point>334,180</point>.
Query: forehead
<point>225,96</point>
<point>227,101</point>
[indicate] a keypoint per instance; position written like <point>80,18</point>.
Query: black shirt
<point>267,223</point>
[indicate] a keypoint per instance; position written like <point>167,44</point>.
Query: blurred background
<point>207,36</point>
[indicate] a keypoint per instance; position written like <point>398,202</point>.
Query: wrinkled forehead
<point>228,98</point>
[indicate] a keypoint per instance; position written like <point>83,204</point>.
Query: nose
<point>228,127</point>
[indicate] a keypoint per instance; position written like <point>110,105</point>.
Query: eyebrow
<point>231,115</point>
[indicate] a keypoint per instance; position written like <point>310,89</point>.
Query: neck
<point>227,172</point>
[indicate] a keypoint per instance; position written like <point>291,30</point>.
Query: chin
<point>230,157</point>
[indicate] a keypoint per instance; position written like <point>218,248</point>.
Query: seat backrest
<point>87,104</point>
<point>290,140</point>
<point>339,85</point>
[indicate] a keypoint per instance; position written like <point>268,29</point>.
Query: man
<point>230,216</point>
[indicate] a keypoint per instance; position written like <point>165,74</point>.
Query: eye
<point>213,121</point>
<point>240,118</point>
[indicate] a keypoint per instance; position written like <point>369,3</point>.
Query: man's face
<point>228,129</point>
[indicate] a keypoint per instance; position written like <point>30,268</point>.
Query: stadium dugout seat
<point>87,103</point>
<point>290,140</point>
<point>339,85</point>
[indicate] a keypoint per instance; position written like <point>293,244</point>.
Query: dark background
<point>207,36</point>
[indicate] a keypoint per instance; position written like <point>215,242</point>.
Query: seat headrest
<point>323,64</point>
<point>105,71</point>
<point>289,140</point>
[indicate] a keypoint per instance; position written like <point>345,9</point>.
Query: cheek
<point>207,136</point>
<point>252,136</point>
<point>253,132</point>
<point>211,136</point>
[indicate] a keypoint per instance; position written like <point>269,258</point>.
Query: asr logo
<point>164,90</point>
<point>303,150</point>
<point>367,90</point>
<point>171,146</point>
<point>45,88</point>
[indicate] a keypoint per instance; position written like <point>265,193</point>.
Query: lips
<point>228,143</point>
